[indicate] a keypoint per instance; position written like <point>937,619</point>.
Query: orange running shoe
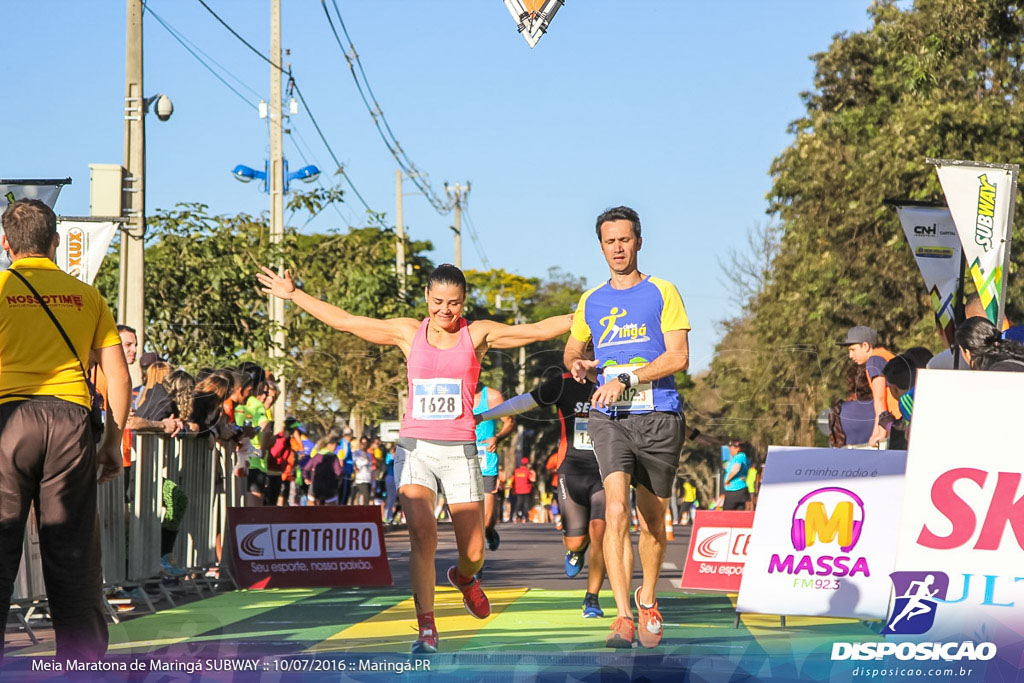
<point>472,595</point>
<point>649,633</point>
<point>623,631</point>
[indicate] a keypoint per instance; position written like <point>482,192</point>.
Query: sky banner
<point>980,198</point>
<point>959,575</point>
<point>11,191</point>
<point>83,244</point>
<point>933,239</point>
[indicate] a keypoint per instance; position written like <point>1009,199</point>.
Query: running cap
<point>860,335</point>
<point>525,461</point>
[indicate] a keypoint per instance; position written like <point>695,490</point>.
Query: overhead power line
<point>477,245</point>
<point>294,85</point>
<point>419,178</point>
<point>195,51</point>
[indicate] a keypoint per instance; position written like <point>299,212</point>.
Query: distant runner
<point>487,437</point>
<point>437,440</point>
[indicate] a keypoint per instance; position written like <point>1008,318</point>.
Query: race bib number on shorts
<point>581,437</point>
<point>640,397</point>
<point>437,399</point>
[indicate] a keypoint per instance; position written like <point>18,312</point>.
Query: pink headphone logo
<point>816,521</point>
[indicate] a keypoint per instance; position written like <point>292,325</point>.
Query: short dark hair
<point>126,328</point>
<point>619,213</point>
<point>251,375</point>
<point>447,274</point>
<point>30,226</point>
<point>900,372</point>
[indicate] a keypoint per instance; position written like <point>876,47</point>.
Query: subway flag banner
<point>83,244</point>
<point>936,247</point>
<point>824,541</point>
<point>959,572</point>
<point>279,547</point>
<point>980,198</point>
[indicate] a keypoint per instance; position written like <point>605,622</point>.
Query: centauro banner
<point>980,198</point>
<point>933,239</point>
<point>824,536</point>
<point>83,244</point>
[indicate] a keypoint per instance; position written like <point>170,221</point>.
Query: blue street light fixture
<point>245,174</point>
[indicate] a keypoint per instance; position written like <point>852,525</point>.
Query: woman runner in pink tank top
<point>437,441</point>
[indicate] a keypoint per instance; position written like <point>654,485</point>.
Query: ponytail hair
<point>986,344</point>
<point>447,274</point>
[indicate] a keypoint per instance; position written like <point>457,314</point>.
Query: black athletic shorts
<point>257,481</point>
<point>646,446</point>
<point>490,483</point>
<point>580,497</point>
<point>736,500</point>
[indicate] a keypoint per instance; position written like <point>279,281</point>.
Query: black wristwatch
<point>624,378</point>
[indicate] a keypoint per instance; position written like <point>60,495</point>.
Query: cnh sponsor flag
<point>824,538</point>
<point>981,198</point>
<point>83,245</point>
<point>959,572</point>
<point>936,246</point>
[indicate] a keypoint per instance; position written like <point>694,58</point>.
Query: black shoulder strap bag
<point>96,413</point>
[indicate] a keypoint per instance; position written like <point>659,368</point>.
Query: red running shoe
<point>472,595</point>
<point>623,631</point>
<point>649,633</point>
<point>427,642</point>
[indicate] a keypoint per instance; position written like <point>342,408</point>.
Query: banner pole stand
<point>736,623</point>
<point>958,309</point>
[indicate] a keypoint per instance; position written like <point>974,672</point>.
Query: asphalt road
<point>530,555</point>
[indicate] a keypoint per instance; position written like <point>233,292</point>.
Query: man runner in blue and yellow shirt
<point>639,327</point>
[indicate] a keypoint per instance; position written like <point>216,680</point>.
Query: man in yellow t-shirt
<point>48,452</point>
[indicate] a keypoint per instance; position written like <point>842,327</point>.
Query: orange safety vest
<point>892,404</point>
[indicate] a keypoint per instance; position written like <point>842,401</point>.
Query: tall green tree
<point>940,79</point>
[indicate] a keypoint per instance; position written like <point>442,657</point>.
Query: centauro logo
<point>984,227</point>
<point>626,333</point>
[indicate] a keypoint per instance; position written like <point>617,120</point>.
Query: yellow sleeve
<point>673,313</point>
<point>106,330</point>
<point>580,330</point>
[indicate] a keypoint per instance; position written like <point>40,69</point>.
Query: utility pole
<point>276,186</point>
<point>459,194</point>
<point>399,236</point>
<point>131,278</point>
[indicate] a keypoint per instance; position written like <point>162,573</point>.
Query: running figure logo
<point>917,597</point>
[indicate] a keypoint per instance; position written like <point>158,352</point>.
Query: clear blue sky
<point>674,107</point>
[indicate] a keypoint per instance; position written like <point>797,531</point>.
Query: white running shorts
<point>454,467</point>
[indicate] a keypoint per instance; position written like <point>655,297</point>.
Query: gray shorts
<point>427,463</point>
<point>646,446</point>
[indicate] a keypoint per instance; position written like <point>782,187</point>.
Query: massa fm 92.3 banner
<point>824,537</point>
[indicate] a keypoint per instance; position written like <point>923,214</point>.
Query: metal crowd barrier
<point>130,532</point>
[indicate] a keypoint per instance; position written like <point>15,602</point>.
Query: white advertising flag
<point>980,198</point>
<point>823,541</point>
<point>960,555</point>
<point>83,244</point>
<point>11,191</point>
<point>936,246</point>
